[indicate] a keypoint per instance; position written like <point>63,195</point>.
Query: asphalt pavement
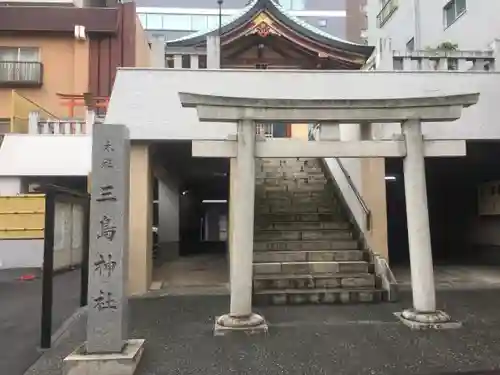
<point>306,340</point>
<point>20,315</point>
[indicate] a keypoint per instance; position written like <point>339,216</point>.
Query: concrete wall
<point>475,29</point>
<point>10,185</point>
<point>49,155</point>
<point>168,211</point>
<point>147,100</point>
<point>143,54</point>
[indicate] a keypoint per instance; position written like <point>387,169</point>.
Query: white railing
<point>347,187</point>
<point>62,127</point>
<point>444,60</point>
<point>264,130</point>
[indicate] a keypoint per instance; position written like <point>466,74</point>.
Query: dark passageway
<point>452,188</point>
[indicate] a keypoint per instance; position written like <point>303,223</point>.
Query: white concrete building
<point>420,24</point>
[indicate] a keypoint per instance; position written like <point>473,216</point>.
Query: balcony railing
<point>21,74</point>
<point>386,12</point>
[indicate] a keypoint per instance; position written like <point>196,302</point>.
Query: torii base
<point>437,320</point>
<point>250,325</point>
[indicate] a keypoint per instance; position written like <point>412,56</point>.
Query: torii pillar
<point>409,112</point>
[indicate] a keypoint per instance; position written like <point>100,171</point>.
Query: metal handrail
<point>353,187</point>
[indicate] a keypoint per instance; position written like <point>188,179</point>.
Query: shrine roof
<point>273,8</point>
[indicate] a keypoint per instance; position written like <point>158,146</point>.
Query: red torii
<point>83,100</point>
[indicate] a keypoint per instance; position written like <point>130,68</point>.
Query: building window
<point>154,22</point>
<point>186,61</point>
<point>180,22</point>
<point>177,22</point>
<point>143,19</point>
<point>199,23</point>
<point>202,61</point>
<point>22,54</point>
<point>453,10</point>
<point>169,61</point>
<point>293,4</point>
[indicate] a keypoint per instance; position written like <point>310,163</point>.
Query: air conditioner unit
<point>80,32</point>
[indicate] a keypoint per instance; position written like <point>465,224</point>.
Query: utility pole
<point>417,20</point>
<point>219,3</point>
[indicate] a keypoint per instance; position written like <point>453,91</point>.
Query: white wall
<point>45,155</point>
<point>168,212</point>
<point>10,186</point>
<point>21,253</point>
<point>474,30</point>
<point>147,100</point>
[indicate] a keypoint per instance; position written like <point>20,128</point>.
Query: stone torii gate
<point>409,112</point>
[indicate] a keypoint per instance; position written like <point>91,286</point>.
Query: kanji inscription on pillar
<point>108,268</point>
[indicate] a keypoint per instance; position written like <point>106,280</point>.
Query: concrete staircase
<point>305,248</point>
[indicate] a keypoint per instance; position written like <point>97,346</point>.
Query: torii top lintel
<point>267,18</point>
<point>425,109</point>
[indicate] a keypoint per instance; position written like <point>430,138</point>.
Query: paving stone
<point>324,267</point>
<point>279,256</point>
<point>326,235</point>
<point>260,268</point>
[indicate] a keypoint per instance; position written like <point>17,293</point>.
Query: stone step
<point>317,281</point>
<point>307,256</point>
<point>292,188</point>
<point>289,195</point>
<point>297,208</point>
<point>289,162</point>
<point>280,180</point>
<point>261,235</point>
<point>302,225</point>
<point>263,200</point>
<point>309,174</point>
<point>289,170</point>
<point>305,245</point>
<point>299,217</point>
<point>293,182</point>
<point>317,296</point>
<point>311,267</point>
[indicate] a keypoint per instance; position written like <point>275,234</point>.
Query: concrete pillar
<point>242,185</point>
<point>141,220</point>
<point>178,61</point>
<point>194,62</point>
<point>33,120</point>
<point>419,236</point>
<point>157,53</point>
<point>442,64</point>
<point>213,52</point>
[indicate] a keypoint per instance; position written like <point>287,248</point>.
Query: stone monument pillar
<point>107,350</point>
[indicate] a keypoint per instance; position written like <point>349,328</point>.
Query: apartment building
<point>343,18</point>
<point>53,54</point>
<point>423,24</point>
